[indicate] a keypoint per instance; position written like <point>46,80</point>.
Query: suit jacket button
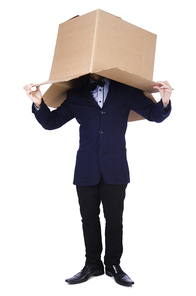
<point>100,152</point>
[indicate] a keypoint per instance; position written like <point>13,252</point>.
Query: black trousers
<point>112,197</point>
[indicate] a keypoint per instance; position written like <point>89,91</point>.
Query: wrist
<point>165,103</point>
<point>38,105</point>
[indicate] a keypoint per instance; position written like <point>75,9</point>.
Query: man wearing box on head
<point>101,107</point>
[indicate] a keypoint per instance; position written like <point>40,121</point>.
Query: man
<point>101,107</point>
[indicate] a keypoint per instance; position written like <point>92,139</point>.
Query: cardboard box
<point>99,42</point>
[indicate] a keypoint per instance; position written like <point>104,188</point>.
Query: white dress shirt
<point>100,93</point>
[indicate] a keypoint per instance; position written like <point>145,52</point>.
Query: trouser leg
<point>112,197</point>
<point>89,202</point>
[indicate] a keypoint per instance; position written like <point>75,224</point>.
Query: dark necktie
<point>93,86</point>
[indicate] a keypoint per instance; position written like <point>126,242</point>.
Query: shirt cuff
<point>36,108</point>
<point>166,108</point>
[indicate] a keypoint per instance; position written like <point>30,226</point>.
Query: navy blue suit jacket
<point>102,149</point>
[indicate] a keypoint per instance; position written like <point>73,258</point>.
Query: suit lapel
<point>111,92</point>
<point>88,97</point>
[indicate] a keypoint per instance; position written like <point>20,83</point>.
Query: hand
<point>165,91</point>
<point>34,95</point>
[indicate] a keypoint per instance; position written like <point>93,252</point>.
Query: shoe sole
<point>85,279</point>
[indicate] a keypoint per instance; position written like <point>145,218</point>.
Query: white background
<point>41,235</point>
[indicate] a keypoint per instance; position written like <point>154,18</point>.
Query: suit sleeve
<point>53,119</point>
<point>148,109</point>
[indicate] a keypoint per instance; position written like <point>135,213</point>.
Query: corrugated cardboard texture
<point>74,47</point>
<point>99,42</point>
<point>123,45</point>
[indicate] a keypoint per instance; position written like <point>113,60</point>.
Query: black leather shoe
<point>119,275</point>
<point>85,274</point>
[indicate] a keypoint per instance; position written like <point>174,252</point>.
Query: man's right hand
<point>34,95</point>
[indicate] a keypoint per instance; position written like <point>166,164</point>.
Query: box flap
<point>129,79</point>
<point>57,92</point>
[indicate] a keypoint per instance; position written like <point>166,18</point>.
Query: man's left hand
<point>165,91</point>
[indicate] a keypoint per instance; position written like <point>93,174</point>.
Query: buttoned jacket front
<point>102,149</point>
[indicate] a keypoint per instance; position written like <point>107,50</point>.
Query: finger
<point>26,87</point>
<point>29,86</point>
<point>29,91</point>
<point>166,88</point>
<point>29,95</point>
<point>32,87</point>
<point>157,87</point>
<point>165,84</point>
